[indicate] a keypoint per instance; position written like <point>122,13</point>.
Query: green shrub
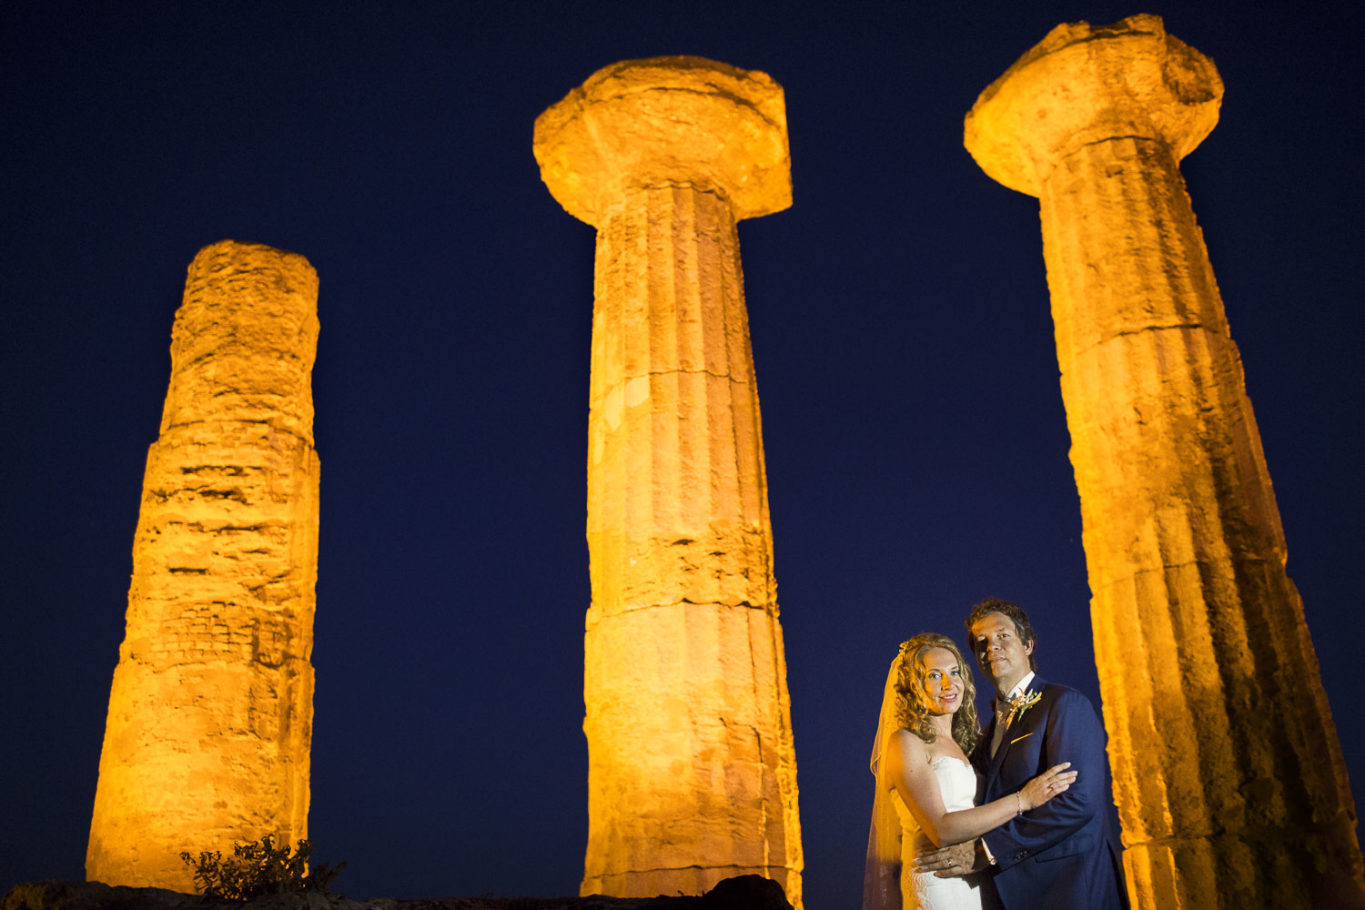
<point>259,868</point>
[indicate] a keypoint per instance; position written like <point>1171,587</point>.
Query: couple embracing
<point>1013,817</point>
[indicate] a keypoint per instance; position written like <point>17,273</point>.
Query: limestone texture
<point>691,764</point>
<point>210,711</point>
<point>1227,769</point>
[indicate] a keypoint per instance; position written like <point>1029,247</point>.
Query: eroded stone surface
<point>1085,83</point>
<point>1227,770</point>
<point>210,711</point>
<point>692,774</point>
<point>662,120</point>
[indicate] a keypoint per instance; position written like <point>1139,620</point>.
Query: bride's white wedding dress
<point>925,891</point>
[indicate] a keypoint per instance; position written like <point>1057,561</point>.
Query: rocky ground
<point>747,892</point>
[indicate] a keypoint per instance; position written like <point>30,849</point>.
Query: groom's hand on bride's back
<point>951,861</point>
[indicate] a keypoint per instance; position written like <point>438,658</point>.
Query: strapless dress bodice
<point>957,786</point>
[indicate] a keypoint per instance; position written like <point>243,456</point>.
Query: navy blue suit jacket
<point>1063,854</point>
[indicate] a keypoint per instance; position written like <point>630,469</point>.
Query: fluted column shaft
<point>675,463</point>
<point>1228,773</point>
<point>691,777</point>
<point>1221,735</point>
<point>691,765</point>
<point>210,711</point>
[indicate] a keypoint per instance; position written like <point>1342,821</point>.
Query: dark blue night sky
<point>916,443</point>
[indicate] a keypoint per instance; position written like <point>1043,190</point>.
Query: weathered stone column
<point>211,709</point>
<point>691,768</point>
<point>1228,773</point>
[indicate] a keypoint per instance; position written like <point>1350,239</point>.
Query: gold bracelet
<point>1018,798</point>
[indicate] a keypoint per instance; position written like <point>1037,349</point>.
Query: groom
<point>1063,854</point>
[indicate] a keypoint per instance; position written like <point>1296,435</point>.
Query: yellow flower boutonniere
<point>1020,705</point>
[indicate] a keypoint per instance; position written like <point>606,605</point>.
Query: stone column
<point>211,708</point>
<point>1227,770</point>
<point>691,768</point>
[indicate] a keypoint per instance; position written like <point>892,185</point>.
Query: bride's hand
<point>1053,782</point>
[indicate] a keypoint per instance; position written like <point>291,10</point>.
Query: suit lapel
<point>981,755</point>
<point>990,764</point>
<point>999,757</point>
<point>981,761</point>
<point>1014,732</point>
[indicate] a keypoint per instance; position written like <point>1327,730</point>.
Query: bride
<point>926,788</point>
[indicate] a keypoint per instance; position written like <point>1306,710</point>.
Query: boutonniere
<point>1019,705</point>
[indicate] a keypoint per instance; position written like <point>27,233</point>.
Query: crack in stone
<point>692,866</point>
<point>231,469</point>
<point>1197,326</point>
<point>1159,328</point>
<point>1133,137</point>
<point>741,605</point>
<point>274,425</point>
<point>712,91</point>
<point>731,377</point>
<point>1166,567</point>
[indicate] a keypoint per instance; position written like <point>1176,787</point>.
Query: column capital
<point>1084,84</point>
<point>667,120</point>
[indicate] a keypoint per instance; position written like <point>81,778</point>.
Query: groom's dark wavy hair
<point>1016,615</point>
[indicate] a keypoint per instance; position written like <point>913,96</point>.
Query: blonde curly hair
<point>912,710</point>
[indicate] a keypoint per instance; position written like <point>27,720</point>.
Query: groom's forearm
<point>1073,734</point>
<point>946,862</point>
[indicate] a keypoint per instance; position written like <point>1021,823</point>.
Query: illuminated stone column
<point>691,768</point>
<point>211,709</point>
<point>1227,769</point>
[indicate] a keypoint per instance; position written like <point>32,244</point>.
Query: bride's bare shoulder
<point>908,749</point>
